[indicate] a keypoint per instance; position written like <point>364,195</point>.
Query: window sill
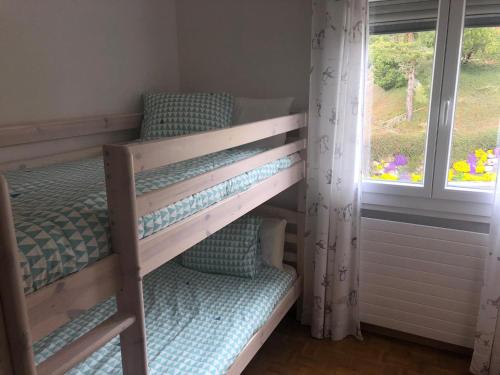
<point>431,207</point>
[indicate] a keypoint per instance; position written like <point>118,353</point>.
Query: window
<point>399,87</point>
<point>475,151</point>
<point>433,99</point>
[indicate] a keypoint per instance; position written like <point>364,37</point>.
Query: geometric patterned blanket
<point>60,211</point>
<point>196,323</point>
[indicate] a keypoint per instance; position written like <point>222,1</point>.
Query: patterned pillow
<point>233,250</point>
<point>171,115</point>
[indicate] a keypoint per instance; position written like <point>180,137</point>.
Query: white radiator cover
<point>421,280</point>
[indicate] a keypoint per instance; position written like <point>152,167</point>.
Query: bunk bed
<point>31,311</point>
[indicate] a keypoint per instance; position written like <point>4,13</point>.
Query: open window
<point>433,102</point>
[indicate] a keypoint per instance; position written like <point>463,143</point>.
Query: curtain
<point>486,358</point>
<point>331,277</point>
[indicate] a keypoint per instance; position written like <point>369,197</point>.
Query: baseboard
<point>365,327</point>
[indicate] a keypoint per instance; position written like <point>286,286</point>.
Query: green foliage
<point>481,43</point>
<point>395,56</point>
<point>412,145</point>
<point>465,143</point>
<point>408,144</point>
<point>387,74</point>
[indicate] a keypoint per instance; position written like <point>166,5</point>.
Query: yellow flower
<point>480,168</point>
<point>389,177</point>
<point>415,177</point>
<point>471,177</point>
<point>481,155</point>
<point>451,174</point>
<point>461,166</point>
<point>489,177</point>
<point>486,177</point>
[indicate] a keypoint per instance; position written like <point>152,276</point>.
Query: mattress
<point>60,211</point>
<point>196,323</point>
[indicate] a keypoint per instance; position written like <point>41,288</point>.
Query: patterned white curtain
<point>486,358</point>
<point>335,120</point>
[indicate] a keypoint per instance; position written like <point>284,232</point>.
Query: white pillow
<point>247,110</point>
<point>272,240</point>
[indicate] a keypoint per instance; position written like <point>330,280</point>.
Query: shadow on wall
<point>258,48</point>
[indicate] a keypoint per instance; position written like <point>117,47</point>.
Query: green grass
<point>476,119</point>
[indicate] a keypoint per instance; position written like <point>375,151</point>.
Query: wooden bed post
<point>15,313</point>
<point>5,363</point>
<point>301,221</point>
<point>120,189</point>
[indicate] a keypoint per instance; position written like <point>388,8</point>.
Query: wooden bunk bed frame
<point>26,319</point>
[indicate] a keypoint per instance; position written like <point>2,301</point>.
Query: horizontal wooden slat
<point>370,285</point>
<point>157,153</point>
<point>39,154</point>
<point>156,199</point>
<point>439,335</point>
<point>291,238</point>
<point>36,132</point>
<point>290,257</point>
<point>52,159</point>
<point>412,252</point>
<point>423,266</point>
<point>271,211</point>
<point>460,236</point>
<point>468,287</point>
<point>162,246</point>
<point>446,295</point>
<point>421,242</point>
<point>84,346</point>
<point>58,303</point>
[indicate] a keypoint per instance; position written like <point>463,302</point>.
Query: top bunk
<point>60,211</point>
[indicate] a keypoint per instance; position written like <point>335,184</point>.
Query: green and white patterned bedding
<point>60,211</point>
<point>196,323</point>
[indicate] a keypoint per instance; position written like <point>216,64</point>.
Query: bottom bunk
<point>197,323</point>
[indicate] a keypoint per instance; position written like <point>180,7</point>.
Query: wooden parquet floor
<point>290,350</point>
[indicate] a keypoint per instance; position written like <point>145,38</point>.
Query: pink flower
<point>400,159</point>
<point>472,160</point>
<point>390,167</point>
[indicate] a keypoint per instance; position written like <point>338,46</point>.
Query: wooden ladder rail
<point>301,221</point>
<point>122,211</point>
<point>16,353</point>
<point>13,302</point>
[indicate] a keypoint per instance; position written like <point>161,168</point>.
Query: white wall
<point>256,48</point>
<point>64,58</point>
<point>90,57</point>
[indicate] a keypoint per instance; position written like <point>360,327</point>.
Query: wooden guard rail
<point>17,134</point>
<point>84,346</point>
<point>143,156</point>
<point>158,153</point>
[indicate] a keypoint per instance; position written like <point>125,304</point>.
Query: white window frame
<point>434,197</point>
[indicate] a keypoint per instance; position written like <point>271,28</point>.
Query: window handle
<point>446,113</point>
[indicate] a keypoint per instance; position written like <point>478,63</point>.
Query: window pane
<point>475,150</point>
<point>398,94</point>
